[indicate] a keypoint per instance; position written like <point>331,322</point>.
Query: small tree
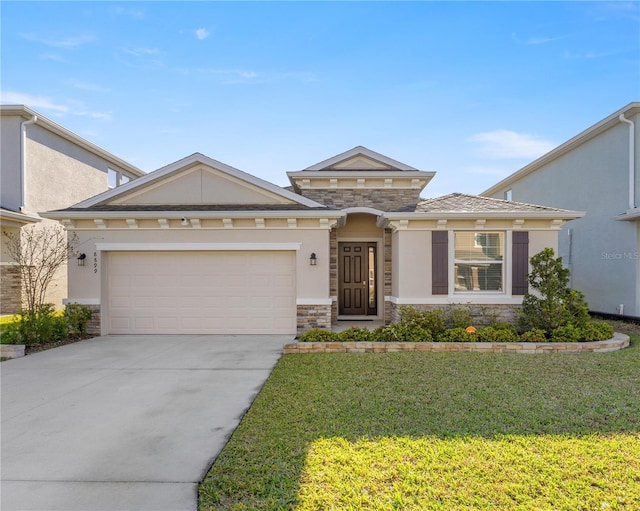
<point>39,251</point>
<point>552,304</point>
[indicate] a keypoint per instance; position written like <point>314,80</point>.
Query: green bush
<point>427,320</point>
<point>400,332</point>
<point>495,334</point>
<point>597,331</point>
<point>355,334</point>
<point>553,304</point>
<point>457,334</point>
<point>534,335</point>
<point>318,335</point>
<point>566,333</point>
<point>36,327</point>
<point>77,317</point>
<point>458,318</point>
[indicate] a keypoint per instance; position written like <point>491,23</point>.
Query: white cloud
<point>18,98</point>
<point>141,52</point>
<point>505,144</point>
<point>545,40</point>
<point>202,33</point>
<point>66,43</point>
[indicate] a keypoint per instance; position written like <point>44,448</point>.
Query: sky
<point>472,90</point>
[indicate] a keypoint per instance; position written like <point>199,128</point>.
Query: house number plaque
<point>95,262</point>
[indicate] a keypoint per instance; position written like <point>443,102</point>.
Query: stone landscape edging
<point>12,350</point>
<point>617,342</point>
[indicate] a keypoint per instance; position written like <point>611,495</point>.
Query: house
<point>597,171</point>
<point>201,247</point>
<point>44,166</point>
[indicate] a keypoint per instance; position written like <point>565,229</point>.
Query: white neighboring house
<point>596,171</point>
<point>44,166</point>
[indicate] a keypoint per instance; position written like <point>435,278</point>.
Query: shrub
<point>427,320</point>
<point>553,304</point>
<point>597,331</point>
<point>400,332</point>
<point>77,317</point>
<point>37,326</point>
<point>457,318</point>
<point>566,333</point>
<point>534,335</point>
<point>355,334</point>
<point>493,334</point>
<point>318,335</point>
<point>457,334</point>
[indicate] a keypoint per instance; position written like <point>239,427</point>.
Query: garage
<point>201,292</point>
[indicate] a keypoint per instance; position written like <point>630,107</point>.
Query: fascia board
<point>18,218</point>
<point>581,138</point>
<point>453,215</point>
<point>173,215</point>
<point>325,174</point>
<point>630,215</point>
<point>72,137</point>
<point>363,151</point>
<point>184,164</point>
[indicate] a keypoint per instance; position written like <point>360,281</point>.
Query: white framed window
<point>116,178</point>
<point>508,195</point>
<point>478,261</point>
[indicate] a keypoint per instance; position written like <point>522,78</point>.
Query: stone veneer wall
<point>480,314</point>
<point>93,328</point>
<point>341,198</point>
<point>11,286</point>
<point>313,316</point>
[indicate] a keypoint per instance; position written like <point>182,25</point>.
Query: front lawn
<point>437,431</point>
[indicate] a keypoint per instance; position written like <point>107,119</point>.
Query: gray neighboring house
<point>596,171</point>
<point>44,166</point>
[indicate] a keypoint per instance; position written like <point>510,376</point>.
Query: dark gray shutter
<point>439,262</point>
<point>520,266</point>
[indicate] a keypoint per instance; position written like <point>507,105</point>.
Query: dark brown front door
<point>357,288</point>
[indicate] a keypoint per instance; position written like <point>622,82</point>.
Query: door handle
<point>364,283</point>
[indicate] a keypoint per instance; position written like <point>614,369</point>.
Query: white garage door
<point>201,292</point>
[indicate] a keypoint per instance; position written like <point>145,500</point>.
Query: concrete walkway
<point>124,423</point>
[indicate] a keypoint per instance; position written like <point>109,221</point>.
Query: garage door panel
<point>201,292</point>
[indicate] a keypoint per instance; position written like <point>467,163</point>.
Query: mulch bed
<point>35,348</point>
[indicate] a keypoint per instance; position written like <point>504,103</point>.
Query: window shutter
<point>440,262</point>
<point>520,266</point>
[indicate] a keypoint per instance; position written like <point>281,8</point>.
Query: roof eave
<point>466,215</point>
<point>90,214</point>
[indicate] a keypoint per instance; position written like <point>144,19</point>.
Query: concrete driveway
<point>124,423</point>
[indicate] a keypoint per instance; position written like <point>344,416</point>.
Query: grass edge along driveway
<point>428,431</point>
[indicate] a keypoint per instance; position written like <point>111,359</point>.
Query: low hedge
<point>416,326</point>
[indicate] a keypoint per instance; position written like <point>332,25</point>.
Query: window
<point>478,261</point>
<point>508,195</point>
<point>116,178</point>
<point>112,178</point>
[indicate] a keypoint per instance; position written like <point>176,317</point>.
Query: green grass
<point>6,320</point>
<point>437,431</point>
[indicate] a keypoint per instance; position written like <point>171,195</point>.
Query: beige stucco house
<point>201,247</point>
<point>44,166</point>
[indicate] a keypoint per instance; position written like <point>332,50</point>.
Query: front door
<point>357,290</point>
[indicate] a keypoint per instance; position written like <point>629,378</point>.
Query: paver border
<point>617,342</point>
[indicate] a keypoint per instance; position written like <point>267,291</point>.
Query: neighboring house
<point>44,166</point>
<point>201,247</point>
<point>597,171</point>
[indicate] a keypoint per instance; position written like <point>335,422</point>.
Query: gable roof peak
<point>384,162</point>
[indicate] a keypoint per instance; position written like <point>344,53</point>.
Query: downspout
<point>23,159</point>
<point>632,156</point>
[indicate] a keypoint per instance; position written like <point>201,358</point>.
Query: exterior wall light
<point>313,260</point>
<point>81,259</point>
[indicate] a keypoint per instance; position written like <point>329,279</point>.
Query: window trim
<point>506,264</point>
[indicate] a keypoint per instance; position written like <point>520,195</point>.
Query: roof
<point>27,113</point>
<point>189,161</point>
<point>595,130</point>
<point>195,207</point>
<point>361,151</point>
<point>460,205</point>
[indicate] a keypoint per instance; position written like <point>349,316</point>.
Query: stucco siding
<point>601,252</point>
<point>10,196</point>
<point>59,173</point>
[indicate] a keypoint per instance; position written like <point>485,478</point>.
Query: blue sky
<point>471,90</point>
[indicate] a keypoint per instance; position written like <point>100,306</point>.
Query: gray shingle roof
<point>463,203</point>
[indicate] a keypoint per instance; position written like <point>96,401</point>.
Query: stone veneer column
<point>11,285</point>
<point>387,276</point>
<point>333,273</point>
<point>313,316</point>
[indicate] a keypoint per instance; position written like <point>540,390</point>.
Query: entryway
<point>357,281</point>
